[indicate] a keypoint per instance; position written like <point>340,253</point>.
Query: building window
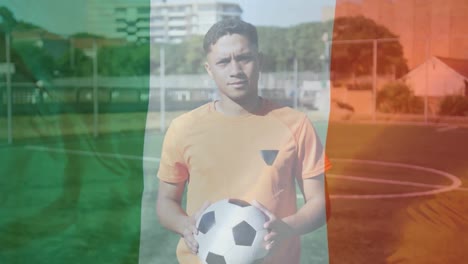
<point>177,19</point>
<point>177,28</point>
<point>206,8</point>
<point>231,8</point>
<point>158,28</point>
<point>143,10</point>
<point>120,10</point>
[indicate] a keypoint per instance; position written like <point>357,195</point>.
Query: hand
<point>190,229</point>
<point>278,230</point>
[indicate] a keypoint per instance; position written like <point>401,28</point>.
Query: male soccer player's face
<point>233,63</point>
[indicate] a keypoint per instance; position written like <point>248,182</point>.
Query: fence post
<point>8,86</point>
<point>95,90</point>
<point>374,81</point>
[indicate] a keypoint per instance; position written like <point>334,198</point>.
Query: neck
<point>230,107</point>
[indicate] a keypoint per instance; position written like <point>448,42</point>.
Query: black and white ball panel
<point>231,232</point>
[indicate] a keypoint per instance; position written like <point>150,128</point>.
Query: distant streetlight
<point>162,88</point>
<point>325,57</point>
<point>162,81</point>
<point>95,89</point>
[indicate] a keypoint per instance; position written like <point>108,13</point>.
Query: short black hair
<point>227,27</point>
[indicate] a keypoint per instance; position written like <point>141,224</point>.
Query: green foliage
<point>32,62</point>
<point>7,20</point>
<point>357,59</point>
<point>454,105</point>
<point>398,98</point>
<point>129,60</point>
<point>82,66</point>
<point>194,56</point>
<point>281,45</point>
<point>86,35</point>
<point>25,26</point>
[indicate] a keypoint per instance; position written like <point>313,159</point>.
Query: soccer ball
<point>231,231</point>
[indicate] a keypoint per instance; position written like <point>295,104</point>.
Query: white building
<point>137,20</point>
<point>438,77</point>
<point>127,19</point>
<point>175,21</point>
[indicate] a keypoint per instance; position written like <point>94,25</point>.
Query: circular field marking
<point>456,182</point>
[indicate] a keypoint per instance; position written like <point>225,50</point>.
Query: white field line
<point>456,182</point>
<point>446,128</point>
<point>461,189</point>
<point>367,179</point>
<point>92,153</point>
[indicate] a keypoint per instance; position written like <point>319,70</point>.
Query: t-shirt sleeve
<point>312,160</point>
<point>172,166</point>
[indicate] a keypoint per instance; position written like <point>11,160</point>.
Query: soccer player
<point>242,146</point>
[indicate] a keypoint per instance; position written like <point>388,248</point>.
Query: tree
<point>24,72</point>
<point>7,19</point>
<point>83,65</point>
<point>397,97</point>
<point>357,59</point>
<point>275,48</point>
<point>280,46</point>
<point>454,105</point>
<point>33,62</point>
<point>194,55</point>
<point>128,60</point>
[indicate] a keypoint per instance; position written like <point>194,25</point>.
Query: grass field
<point>392,201</point>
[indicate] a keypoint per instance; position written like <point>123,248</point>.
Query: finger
<point>269,224</point>
<point>270,236</point>
<point>191,246</point>
<point>192,243</point>
<point>270,245</point>
<point>191,227</point>
<point>189,235</point>
<point>194,230</point>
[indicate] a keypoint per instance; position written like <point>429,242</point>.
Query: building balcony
<point>177,23</point>
<point>177,33</point>
<point>177,14</point>
<point>157,24</point>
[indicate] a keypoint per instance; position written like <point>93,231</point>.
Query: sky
<point>280,12</point>
<point>67,16</point>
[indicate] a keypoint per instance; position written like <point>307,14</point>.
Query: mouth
<point>238,83</point>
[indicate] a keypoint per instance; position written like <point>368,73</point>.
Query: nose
<point>235,68</point>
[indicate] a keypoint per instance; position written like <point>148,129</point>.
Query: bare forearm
<point>172,216</point>
<point>309,217</point>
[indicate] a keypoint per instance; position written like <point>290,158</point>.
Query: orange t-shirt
<point>254,156</point>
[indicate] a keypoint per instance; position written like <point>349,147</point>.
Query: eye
<point>222,62</point>
<point>245,58</point>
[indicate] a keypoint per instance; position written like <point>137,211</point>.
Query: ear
<point>208,69</point>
